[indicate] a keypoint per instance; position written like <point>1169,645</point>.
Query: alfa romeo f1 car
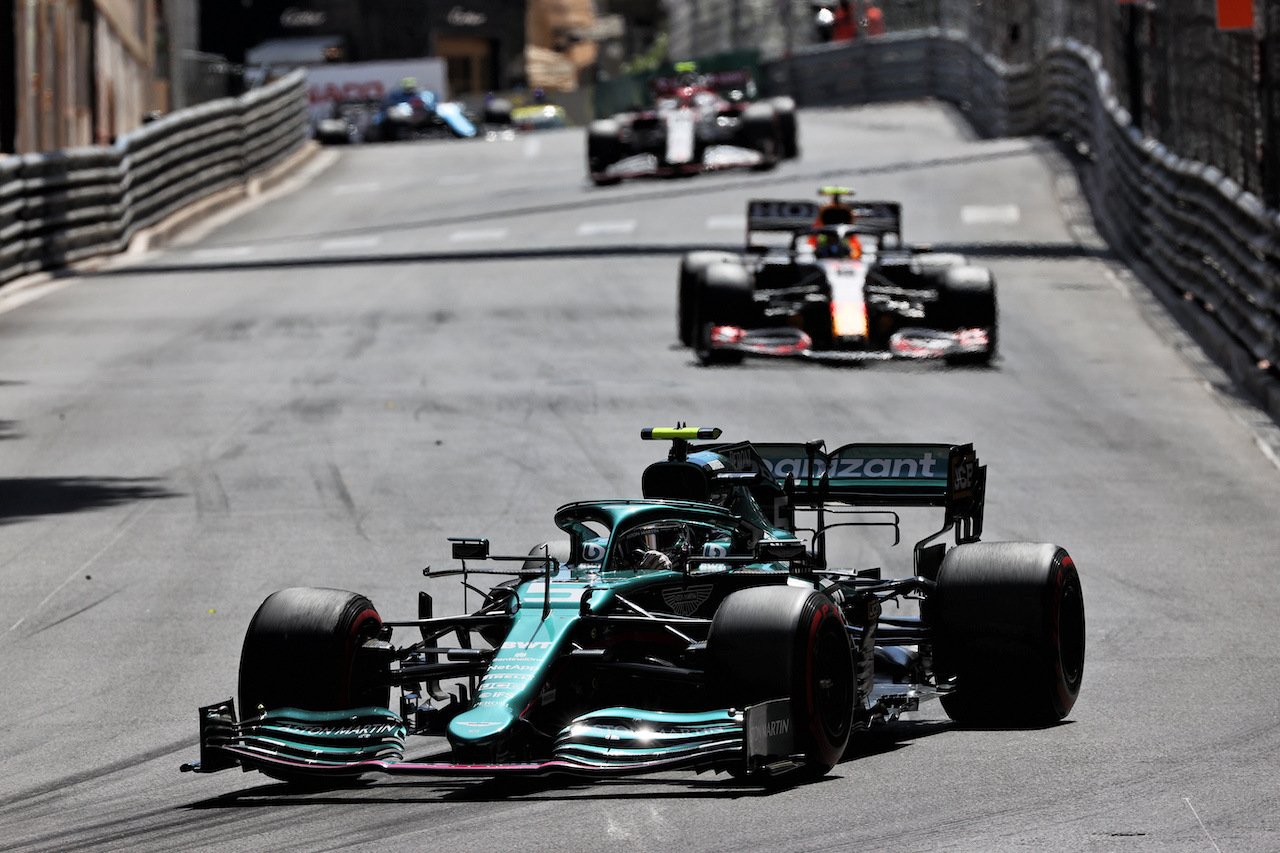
<point>704,626</point>
<point>840,285</point>
<point>698,122</point>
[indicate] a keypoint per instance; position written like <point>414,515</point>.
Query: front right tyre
<point>785,642</point>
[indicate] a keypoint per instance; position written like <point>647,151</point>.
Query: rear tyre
<point>1010,628</point>
<point>723,298</point>
<point>557,550</point>
<point>784,642</point>
<point>692,266</point>
<point>604,148</point>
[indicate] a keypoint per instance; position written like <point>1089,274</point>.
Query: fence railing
<point>65,206</point>
<point>1196,235</point>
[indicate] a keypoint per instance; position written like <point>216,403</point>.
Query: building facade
<point>85,71</point>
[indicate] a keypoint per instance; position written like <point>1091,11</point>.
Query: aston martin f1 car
<point>703,626</point>
<point>698,122</point>
<point>837,285</point>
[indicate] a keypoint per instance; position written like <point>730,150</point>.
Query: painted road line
<point>478,234</point>
<point>346,244</point>
<point>222,252</point>
<point>731,222</point>
<point>588,229</point>
<point>990,214</point>
<point>352,189</point>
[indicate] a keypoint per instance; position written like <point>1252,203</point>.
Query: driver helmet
<point>670,538</point>
<point>828,244</point>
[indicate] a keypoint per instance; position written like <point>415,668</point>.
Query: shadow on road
<point>30,497</point>
<point>1032,251</point>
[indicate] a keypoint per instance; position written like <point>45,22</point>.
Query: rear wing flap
<point>901,475</point>
<point>776,215</point>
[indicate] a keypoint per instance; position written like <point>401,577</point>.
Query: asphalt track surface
<point>437,339</point>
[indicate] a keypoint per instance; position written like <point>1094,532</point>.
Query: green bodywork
<point>517,677</point>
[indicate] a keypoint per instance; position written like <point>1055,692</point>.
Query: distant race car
<point>698,122</point>
<point>539,117</point>
<point>700,627</point>
<point>840,285</point>
<point>409,112</point>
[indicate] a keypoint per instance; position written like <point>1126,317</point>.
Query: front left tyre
<point>722,297</point>
<point>604,148</point>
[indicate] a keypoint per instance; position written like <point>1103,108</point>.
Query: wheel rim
<point>832,682</point>
<point>1071,634</point>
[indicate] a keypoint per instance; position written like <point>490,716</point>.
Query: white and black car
<point>698,122</point>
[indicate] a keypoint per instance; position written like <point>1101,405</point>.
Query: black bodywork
<point>871,297</point>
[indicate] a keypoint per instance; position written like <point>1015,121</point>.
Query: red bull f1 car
<point>834,282</point>
<point>705,626</point>
<point>698,122</point>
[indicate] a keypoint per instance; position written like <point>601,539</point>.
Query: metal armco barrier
<point>65,206</point>
<point>1191,233</point>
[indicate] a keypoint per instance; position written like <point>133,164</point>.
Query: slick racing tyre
<point>760,131</point>
<point>558,550</point>
<point>497,111</point>
<point>785,642</point>
<point>968,298</point>
<point>788,131</point>
<point>722,298</point>
<point>300,651</point>
<point>692,266</point>
<point>604,148</point>
<point>1009,627</point>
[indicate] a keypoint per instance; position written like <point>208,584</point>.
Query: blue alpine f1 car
<point>703,626</point>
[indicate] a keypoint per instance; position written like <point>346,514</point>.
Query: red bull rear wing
<point>777,215</point>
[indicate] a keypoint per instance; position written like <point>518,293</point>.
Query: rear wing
<point>777,215</point>
<point>893,475</point>
<point>717,80</point>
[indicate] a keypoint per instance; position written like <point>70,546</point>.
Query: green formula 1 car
<point>700,627</point>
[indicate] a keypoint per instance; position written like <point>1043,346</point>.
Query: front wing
<point>609,742</point>
<point>793,343</point>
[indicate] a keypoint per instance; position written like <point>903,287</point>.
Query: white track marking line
<point>351,189</point>
<point>625,226</point>
<point>346,243</point>
<point>125,528</point>
<point>1187,800</point>
<point>31,292</point>
<point>990,214</point>
<point>222,252</point>
<point>732,222</point>
<point>478,234</point>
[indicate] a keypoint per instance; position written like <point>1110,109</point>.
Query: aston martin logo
<point>685,600</point>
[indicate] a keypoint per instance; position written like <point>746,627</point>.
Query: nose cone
<point>482,726</point>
